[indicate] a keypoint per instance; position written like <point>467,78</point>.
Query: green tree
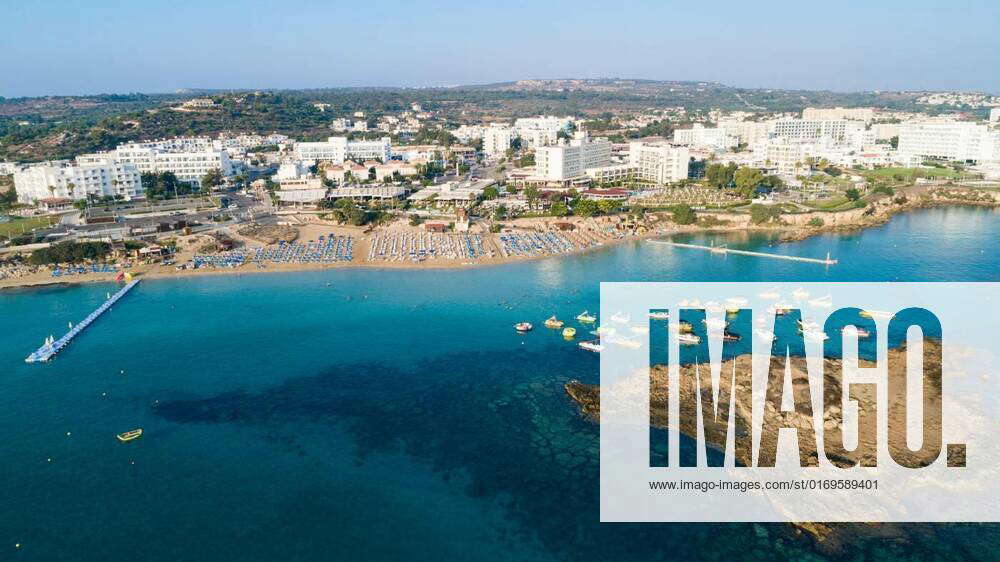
<point>531,194</point>
<point>747,179</point>
<point>720,175</point>
<point>852,194</point>
<point>490,193</point>
<point>559,209</point>
<point>211,179</point>
<point>500,212</point>
<point>585,208</point>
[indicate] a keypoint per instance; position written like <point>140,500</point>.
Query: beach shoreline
<point>877,214</point>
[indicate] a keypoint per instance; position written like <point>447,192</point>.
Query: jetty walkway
<point>725,250</point>
<point>49,350</point>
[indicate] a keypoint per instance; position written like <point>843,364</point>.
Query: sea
<point>383,414</point>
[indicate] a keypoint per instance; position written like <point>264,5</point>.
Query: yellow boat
<point>569,332</point>
<point>130,435</point>
<point>553,322</point>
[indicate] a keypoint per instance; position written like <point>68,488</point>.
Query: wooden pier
<point>725,250</point>
<point>48,351</point>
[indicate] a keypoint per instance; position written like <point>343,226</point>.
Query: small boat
<point>591,345</point>
<point>685,327</point>
<point>523,327</point>
<point>553,322</point>
<point>586,318</point>
<point>659,315</point>
<point>732,311</point>
<point>569,332</point>
<point>729,336</point>
<point>688,339</point>
<point>130,435</point>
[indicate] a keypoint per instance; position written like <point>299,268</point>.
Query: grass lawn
<point>839,203</point>
<point>18,225</point>
<point>912,173</point>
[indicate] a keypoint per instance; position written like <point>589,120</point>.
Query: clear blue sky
<point>75,47</point>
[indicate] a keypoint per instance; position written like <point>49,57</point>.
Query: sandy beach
<point>590,234</point>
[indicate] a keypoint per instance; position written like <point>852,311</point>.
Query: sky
<point>65,47</point>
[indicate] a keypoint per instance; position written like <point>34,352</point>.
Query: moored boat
<point>592,345</point>
<point>553,322</point>
<point>659,315</point>
<point>586,317</point>
<point>130,435</point>
<point>569,332</point>
<point>523,327</point>
<point>688,339</point>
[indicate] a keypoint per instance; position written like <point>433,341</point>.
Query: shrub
<point>816,221</point>
<point>684,214</point>
<point>760,214</point>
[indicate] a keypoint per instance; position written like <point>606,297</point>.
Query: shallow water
<point>389,414</point>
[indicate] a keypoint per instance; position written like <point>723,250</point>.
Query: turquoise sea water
<point>377,414</point>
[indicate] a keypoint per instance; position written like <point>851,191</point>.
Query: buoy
<point>68,434</point>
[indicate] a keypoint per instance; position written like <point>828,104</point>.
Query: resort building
<point>468,133</point>
<point>865,114</point>
<point>188,159</point>
<point>462,192</point>
<point>838,130</point>
<point>700,136</point>
<point>949,140</point>
<point>301,190</point>
<point>367,192</point>
<point>605,194</point>
<point>496,139</point>
<point>660,163</point>
<point>750,133</point>
<point>571,160</point>
<point>540,131</point>
<point>613,174</point>
<point>785,158</point>
<point>339,149</point>
<point>97,175</point>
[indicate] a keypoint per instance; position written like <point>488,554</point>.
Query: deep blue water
<point>386,414</point>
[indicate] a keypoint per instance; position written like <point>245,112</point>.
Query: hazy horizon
<point>65,47</point>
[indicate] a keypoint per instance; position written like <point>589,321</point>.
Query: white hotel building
<point>95,174</point>
<point>659,162</point>
<point>540,131</point>
<point>698,135</point>
<point>948,140</point>
<point>339,149</point>
<point>188,159</point>
<point>568,161</point>
<point>496,139</point>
